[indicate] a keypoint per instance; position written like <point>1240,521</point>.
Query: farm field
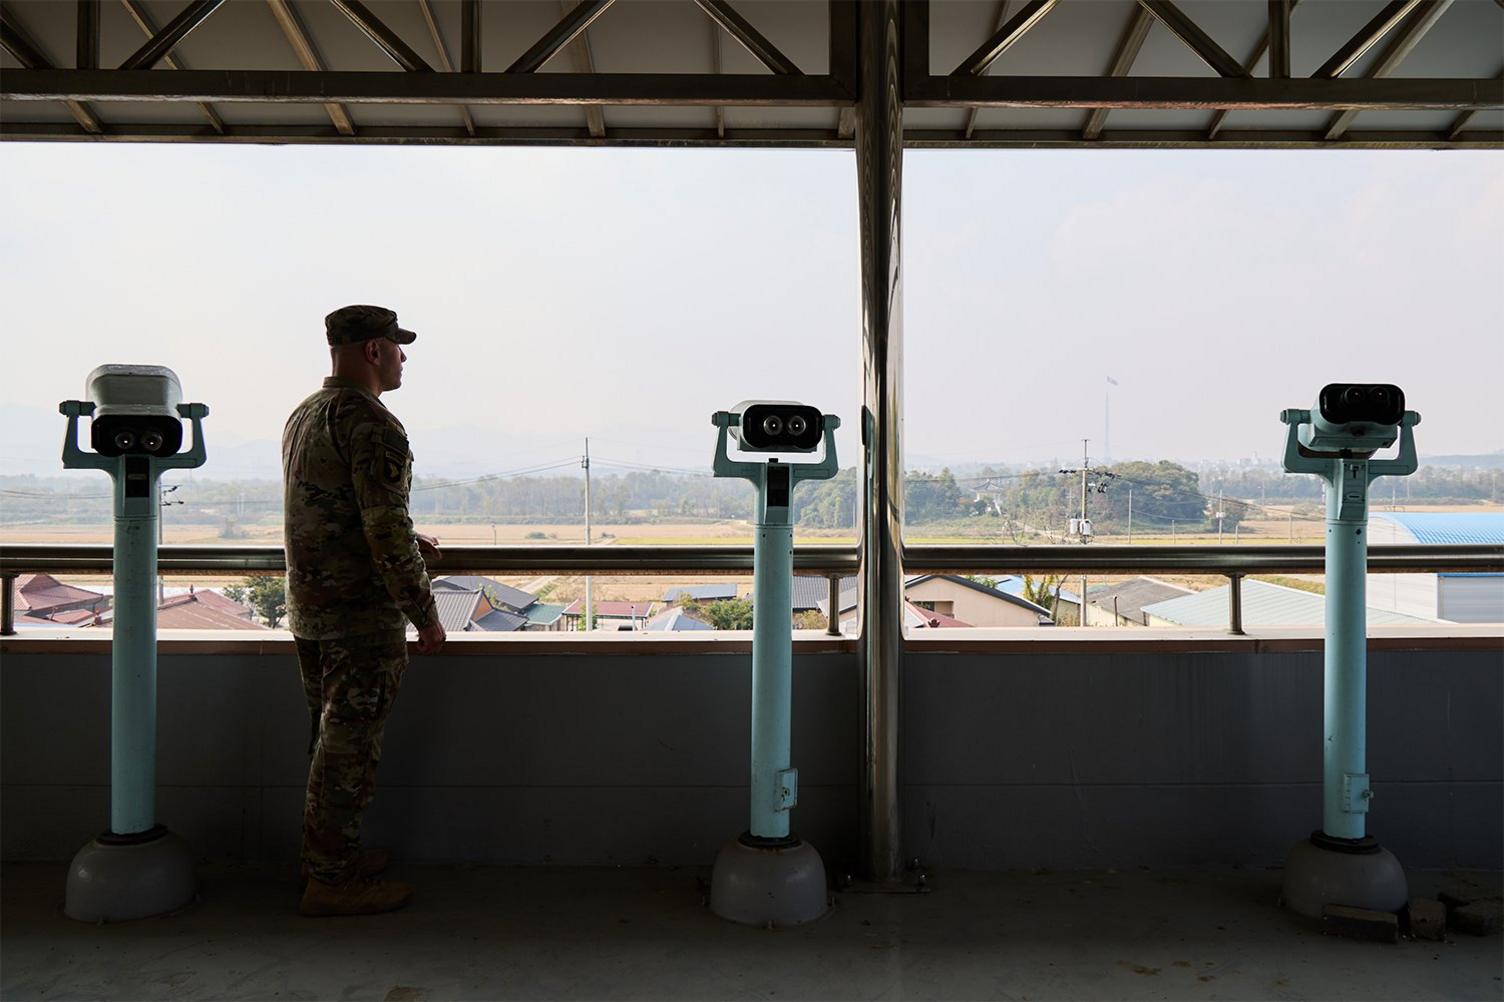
<point>1305,527</point>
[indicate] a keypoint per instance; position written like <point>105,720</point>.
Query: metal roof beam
<point>715,67</point>
<point>382,87</point>
<point>1122,61</point>
<point>18,43</point>
<point>149,29</point>
<point>164,41</point>
<point>1277,37</point>
<point>559,36</point>
<point>1201,93</point>
<point>302,45</point>
<point>987,53</point>
<point>739,28</point>
<point>1195,39</point>
<point>470,54</point>
<point>687,90</point>
<point>1002,19</point>
<point>1422,20</point>
<point>1279,29</point>
<point>443,52</point>
<point>1454,131</point>
<point>385,38</point>
<point>584,62</point>
<point>88,35</point>
<point>1369,36</point>
<point>706,137</point>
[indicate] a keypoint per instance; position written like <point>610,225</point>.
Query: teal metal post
<point>775,782</point>
<point>1345,785</point>
<point>133,649</point>
<point>133,643</point>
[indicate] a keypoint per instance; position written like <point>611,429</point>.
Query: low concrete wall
<point>1008,760</point>
<point>1176,759</point>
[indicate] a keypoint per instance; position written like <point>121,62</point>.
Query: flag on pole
<point>1114,382</point>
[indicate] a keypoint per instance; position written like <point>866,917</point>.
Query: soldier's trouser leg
<point>351,683</point>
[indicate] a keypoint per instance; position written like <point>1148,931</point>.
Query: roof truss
<point>981,89</point>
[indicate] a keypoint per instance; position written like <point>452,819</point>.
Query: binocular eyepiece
<point>780,427</point>
<point>1352,419</point>
<point>135,410</point>
<point>1371,403</point>
<point>136,435</point>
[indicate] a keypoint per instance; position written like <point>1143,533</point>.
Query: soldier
<point>355,577</point>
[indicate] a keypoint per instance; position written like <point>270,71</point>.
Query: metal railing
<point>830,562</point>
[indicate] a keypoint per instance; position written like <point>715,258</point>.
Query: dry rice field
<point>1305,527</point>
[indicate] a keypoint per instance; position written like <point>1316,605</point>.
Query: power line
<point>679,470</point>
<point>504,475</point>
<point>51,496</point>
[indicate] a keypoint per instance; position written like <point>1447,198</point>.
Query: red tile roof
<point>73,617</point>
<point>197,610</point>
<point>214,600</point>
<point>928,619</point>
<point>36,593</point>
<point>192,612</point>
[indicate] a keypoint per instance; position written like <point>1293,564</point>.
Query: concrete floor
<point>643,933</point>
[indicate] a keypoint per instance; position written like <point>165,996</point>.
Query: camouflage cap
<point>354,324</point>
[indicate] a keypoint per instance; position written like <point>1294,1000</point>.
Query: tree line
<point>1163,494</point>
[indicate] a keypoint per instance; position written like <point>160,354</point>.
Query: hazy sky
<point>627,294</point>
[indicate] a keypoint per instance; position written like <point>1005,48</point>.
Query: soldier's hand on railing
<point>428,548</point>
<point>431,638</point>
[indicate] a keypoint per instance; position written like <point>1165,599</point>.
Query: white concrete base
<point>769,887</point>
<point>109,882</point>
<point>1316,877</point>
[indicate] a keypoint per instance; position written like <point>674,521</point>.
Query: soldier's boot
<point>359,896</point>
<point>368,863</point>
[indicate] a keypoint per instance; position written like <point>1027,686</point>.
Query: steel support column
<point>879,160</point>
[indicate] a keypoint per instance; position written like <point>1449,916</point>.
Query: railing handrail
<point>1106,558</point>
<point>832,562</point>
<point>817,560</point>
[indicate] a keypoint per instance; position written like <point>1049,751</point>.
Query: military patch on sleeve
<point>389,460</point>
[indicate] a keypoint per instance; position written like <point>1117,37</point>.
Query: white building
<point>1457,598</point>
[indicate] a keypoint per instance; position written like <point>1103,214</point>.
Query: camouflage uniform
<point>355,578</point>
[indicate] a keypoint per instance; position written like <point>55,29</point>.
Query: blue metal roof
<point>543,613</point>
<point>1264,604</point>
<point>1013,584</point>
<point>1460,528</point>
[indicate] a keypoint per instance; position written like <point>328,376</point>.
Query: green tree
<point>931,498</point>
<point>1042,591</point>
<point>809,619</point>
<point>267,595</point>
<point>729,614</point>
<point>827,504</point>
<point>1162,492</point>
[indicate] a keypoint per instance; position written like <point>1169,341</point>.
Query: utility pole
<point>1100,486</point>
<point>162,503</point>
<point>1220,514</point>
<point>1130,514</point>
<point>589,604</point>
